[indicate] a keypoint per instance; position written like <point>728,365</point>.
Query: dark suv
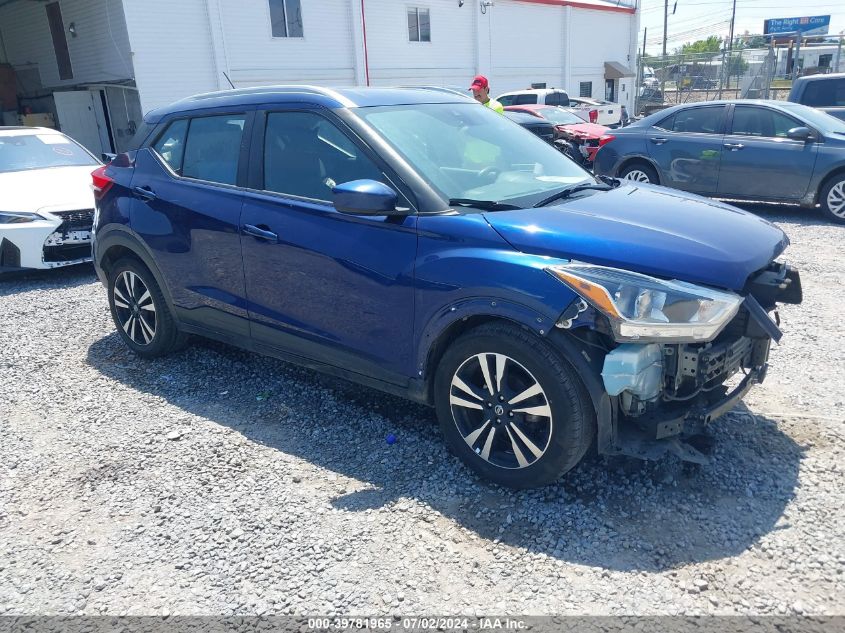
<point>415,242</point>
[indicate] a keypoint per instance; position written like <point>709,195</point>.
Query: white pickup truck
<point>604,112</point>
<point>609,114</point>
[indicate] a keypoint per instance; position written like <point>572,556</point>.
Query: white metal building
<point>97,64</point>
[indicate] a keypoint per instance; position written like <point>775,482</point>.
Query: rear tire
<point>140,313</point>
<point>639,172</point>
<point>537,423</point>
<point>832,199</point>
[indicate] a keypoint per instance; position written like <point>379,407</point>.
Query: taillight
<point>594,116</point>
<point>604,140</point>
<point>101,182</point>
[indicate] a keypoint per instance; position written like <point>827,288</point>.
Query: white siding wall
<point>99,52</point>
<point>527,45</point>
<point>449,59</point>
<point>171,49</point>
<point>590,51</point>
<point>323,56</point>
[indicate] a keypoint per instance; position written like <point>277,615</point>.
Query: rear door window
<point>696,121</point>
<point>507,100</point>
<point>554,98</point>
<point>213,148</point>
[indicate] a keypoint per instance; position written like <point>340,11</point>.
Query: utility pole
<point>641,74</point>
<point>663,70</point>
<point>731,43</point>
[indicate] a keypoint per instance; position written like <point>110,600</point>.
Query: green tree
<point>712,44</point>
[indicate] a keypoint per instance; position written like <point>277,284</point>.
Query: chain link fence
<point>743,73</point>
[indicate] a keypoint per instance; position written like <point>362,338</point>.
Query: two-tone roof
<point>315,95</point>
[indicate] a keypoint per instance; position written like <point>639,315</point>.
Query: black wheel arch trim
<point>119,235</point>
<point>588,364</point>
<point>477,307</point>
<point>632,158</point>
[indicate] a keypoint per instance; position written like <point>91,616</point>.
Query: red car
<point>574,137</point>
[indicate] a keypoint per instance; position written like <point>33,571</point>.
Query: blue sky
<point>696,19</point>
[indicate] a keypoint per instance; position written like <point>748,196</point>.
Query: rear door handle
<point>260,233</point>
<point>733,146</point>
<point>144,192</point>
<point>659,140</point>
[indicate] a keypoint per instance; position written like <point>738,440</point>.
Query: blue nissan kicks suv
<point>424,245</point>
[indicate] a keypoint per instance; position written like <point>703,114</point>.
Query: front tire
<point>139,311</point>
<point>639,172</point>
<point>832,199</point>
<point>511,408</point>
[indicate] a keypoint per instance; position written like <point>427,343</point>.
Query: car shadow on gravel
<point>25,281</point>
<point>616,513</point>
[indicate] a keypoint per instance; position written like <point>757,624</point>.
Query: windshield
<point>39,151</point>
<point>468,151</point>
<point>560,117</point>
<point>818,119</point>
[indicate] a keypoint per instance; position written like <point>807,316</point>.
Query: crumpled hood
<point>648,229</point>
<point>54,189</point>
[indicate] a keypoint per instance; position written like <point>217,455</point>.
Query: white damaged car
<point>46,200</point>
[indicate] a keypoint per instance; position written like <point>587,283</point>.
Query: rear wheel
<point>139,311</point>
<point>832,199</point>
<point>511,408</point>
<point>639,172</point>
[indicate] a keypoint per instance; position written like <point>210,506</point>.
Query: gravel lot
<point>217,481</point>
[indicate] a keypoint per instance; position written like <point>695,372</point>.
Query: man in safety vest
<point>481,92</point>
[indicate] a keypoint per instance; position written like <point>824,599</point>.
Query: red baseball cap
<point>480,81</point>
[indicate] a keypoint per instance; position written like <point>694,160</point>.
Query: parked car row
<point>591,110</point>
<point>771,151</point>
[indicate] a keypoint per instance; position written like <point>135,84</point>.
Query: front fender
<point>466,270</point>
<point>443,321</point>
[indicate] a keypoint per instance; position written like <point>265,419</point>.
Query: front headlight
<point>18,217</point>
<point>642,308</point>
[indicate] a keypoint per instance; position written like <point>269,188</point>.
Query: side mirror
<point>107,158</point>
<point>800,134</point>
<point>366,197</point>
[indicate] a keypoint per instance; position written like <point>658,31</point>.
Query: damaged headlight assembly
<point>18,217</point>
<point>643,309</point>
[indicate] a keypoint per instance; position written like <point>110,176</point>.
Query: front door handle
<point>658,140</point>
<point>145,193</point>
<point>260,233</point>
<point>733,146</point>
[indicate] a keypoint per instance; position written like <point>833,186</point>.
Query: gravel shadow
<point>611,513</point>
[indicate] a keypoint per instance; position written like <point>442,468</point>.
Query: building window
<point>419,25</point>
<point>585,89</point>
<point>286,18</point>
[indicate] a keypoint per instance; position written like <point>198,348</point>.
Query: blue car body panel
<point>649,229</point>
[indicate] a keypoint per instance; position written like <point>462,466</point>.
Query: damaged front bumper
<point>664,396</point>
<point>59,238</point>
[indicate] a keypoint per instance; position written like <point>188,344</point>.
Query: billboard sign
<point>815,25</point>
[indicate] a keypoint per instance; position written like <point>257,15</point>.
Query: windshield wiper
<point>486,205</point>
<point>560,195</point>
